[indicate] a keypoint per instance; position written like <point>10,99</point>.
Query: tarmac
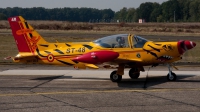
<point>33,88</point>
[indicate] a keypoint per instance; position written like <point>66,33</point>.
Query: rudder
<point>25,36</point>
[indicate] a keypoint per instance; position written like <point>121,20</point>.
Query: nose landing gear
<point>171,76</point>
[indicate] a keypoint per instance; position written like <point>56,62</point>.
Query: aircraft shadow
<point>153,80</point>
<point>131,83</point>
<point>46,78</point>
<point>67,77</point>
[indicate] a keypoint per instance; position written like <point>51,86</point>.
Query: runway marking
<point>103,91</point>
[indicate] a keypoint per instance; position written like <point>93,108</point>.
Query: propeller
<point>184,45</point>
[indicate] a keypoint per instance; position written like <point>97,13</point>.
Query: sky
<point>115,5</point>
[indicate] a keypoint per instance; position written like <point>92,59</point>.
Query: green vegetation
<point>61,14</point>
<point>2,16</point>
<point>169,11</point>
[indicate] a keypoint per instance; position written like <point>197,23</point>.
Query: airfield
<point>52,88</point>
<point>31,88</point>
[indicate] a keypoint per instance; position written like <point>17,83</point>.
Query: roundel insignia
<point>138,55</point>
<point>50,58</point>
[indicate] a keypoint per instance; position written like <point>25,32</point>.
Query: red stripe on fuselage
<point>60,57</point>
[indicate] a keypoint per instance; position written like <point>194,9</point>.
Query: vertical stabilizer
<point>25,36</point>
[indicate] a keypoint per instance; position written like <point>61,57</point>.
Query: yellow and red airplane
<point>122,50</point>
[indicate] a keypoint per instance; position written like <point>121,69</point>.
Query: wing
<point>128,60</point>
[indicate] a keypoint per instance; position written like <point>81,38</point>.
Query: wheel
<point>172,78</point>
<point>134,73</point>
<point>115,77</point>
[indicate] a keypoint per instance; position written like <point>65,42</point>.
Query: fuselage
<point>64,53</point>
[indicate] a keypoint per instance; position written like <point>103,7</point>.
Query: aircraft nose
<point>185,45</point>
<point>190,44</point>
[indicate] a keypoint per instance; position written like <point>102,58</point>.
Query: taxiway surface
<point>48,88</point>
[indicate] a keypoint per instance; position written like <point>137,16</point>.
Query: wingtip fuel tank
<point>97,57</point>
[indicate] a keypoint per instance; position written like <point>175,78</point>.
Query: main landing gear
<point>116,76</point>
<point>134,73</point>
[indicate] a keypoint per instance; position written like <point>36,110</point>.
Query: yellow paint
<point>63,53</point>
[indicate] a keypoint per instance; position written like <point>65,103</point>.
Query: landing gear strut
<point>171,76</point>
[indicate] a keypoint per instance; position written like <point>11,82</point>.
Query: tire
<point>114,77</point>
<point>134,73</point>
<point>173,78</point>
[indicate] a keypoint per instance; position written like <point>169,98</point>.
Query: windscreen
<point>113,41</point>
<point>139,41</point>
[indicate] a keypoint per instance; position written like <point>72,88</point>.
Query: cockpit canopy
<point>121,41</point>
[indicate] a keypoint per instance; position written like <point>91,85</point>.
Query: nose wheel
<point>171,75</point>
<point>115,77</point>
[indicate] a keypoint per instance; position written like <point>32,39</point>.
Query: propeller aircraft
<point>122,50</point>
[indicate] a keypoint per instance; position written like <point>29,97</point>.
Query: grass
<point>7,47</point>
<point>192,55</point>
<point>144,28</point>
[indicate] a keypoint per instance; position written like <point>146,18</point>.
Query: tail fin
<point>25,36</point>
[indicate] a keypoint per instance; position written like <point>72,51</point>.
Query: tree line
<point>169,11</point>
<point>60,14</point>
